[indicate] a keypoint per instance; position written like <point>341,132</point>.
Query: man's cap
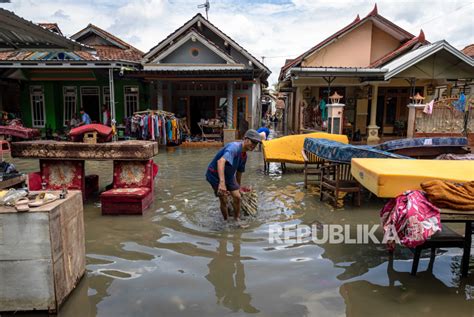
<point>253,135</point>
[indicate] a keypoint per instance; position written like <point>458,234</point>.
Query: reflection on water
<point>182,259</point>
<point>226,273</point>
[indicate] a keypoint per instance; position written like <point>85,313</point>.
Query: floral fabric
<point>413,217</point>
<point>132,174</point>
<point>58,174</point>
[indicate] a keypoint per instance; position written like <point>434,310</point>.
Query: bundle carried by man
<point>248,203</point>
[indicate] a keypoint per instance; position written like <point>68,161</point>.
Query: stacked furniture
<point>62,166</point>
<point>335,174</point>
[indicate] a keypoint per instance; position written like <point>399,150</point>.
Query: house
<point>377,67</point>
<point>46,85</point>
<point>199,72</point>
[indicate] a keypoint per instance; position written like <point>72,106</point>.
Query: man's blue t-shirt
<point>86,119</point>
<point>236,160</point>
<point>266,130</point>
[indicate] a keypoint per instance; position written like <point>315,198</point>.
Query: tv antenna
<point>206,6</point>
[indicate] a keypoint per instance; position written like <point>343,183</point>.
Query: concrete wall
<point>182,55</point>
<point>382,44</point>
<point>351,50</point>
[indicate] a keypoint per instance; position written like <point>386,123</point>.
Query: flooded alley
<point>181,259</point>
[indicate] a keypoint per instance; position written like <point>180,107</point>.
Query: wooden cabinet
<point>42,254</point>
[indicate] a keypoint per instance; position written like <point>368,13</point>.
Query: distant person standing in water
<point>264,131</point>
<point>224,173</point>
<point>85,118</point>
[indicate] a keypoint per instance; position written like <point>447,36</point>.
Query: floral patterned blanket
<point>412,217</point>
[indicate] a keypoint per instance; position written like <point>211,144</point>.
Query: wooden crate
<point>42,254</point>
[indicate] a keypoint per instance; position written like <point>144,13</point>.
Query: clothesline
<point>159,112</point>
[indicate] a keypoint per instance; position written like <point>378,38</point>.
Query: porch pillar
<point>230,105</point>
<point>159,92</point>
<point>372,129</point>
<point>111,95</point>
<point>230,132</point>
<point>170,96</point>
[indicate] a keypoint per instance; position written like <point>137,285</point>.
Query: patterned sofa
<point>59,174</point>
<point>132,190</point>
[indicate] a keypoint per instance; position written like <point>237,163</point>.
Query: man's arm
<point>220,172</point>
<point>239,177</point>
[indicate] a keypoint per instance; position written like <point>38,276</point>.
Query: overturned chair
<point>132,190</point>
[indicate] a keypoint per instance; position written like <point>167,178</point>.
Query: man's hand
<point>221,189</point>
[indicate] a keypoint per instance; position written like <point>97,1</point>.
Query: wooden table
<point>42,254</point>
<point>214,128</point>
<point>466,217</point>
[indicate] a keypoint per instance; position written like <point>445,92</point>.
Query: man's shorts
<point>230,181</point>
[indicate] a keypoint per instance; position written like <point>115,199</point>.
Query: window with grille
<point>106,96</point>
<point>38,113</point>
<point>131,100</point>
<point>69,103</point>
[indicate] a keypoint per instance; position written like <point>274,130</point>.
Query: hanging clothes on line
<point>155,125</point>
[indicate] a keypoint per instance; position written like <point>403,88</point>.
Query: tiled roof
<point>420,40</point>
<point>357,21</point>
<point>469,50</point>
<point>51,26</point>
<point>114,53</point>
<point>111,52</point>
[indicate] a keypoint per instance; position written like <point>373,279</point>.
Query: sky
<point>276,29</point>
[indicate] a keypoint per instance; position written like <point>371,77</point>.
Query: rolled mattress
<point>391,177</point>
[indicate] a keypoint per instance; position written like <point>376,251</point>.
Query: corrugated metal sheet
<point>409,59</point>
<point>18,33</point>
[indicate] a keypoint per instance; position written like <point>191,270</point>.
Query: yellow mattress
<point>391,177</point>
<point>288,149</point>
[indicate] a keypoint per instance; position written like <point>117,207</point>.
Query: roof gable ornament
<point>374,11</point>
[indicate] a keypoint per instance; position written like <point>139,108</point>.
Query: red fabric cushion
<point>58,174</point>
<point>133,174</point>
<point>104,132</point>
<point>155,169</point>
<point>118,193</point>
<point>34,181</point>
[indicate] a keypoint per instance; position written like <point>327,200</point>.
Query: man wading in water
<point>224,173</point>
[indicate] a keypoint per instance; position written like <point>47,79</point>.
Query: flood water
<point>181,259</point>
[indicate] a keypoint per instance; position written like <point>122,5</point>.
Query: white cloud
<point>275,29</point>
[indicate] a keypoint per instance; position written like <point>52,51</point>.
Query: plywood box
<point>42,254</point>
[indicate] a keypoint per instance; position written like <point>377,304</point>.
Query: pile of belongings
<point>411,218</point>
<point>7,171</point>
<point>16,129</point>
<point>444,194</point>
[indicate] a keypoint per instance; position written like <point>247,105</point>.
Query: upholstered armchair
<point>132,190</point>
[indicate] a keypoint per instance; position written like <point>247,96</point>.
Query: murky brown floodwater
<point>181,259</point>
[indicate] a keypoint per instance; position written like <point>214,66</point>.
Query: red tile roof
<point>112,52</point>
<point>357,21</point>
<point>469,50</point>
<point>51,26</point>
